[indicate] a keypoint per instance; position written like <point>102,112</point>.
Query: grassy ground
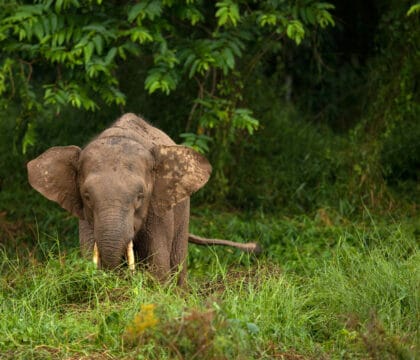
<point>325,288</point>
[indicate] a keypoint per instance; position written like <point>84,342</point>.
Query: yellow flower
<point>144,319</point>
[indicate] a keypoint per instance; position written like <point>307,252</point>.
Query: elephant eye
<point>86,198</point>
<point>139,199</point>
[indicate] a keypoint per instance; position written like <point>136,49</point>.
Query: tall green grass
<point>336,291</point>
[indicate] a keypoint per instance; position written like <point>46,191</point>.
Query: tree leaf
<point>135,11</point>
<point>88,51</point>
<point>414,9</point>
<point>99,44</point>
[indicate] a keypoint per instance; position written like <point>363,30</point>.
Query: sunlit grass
<point>336,291</point>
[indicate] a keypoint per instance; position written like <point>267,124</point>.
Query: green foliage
<point>295,31</point>
<point>228,13</point>
<point>391,122</point>
<point>295,166</point>
<point>58,55</point>
<point>414,9</point>
<point>337,134</point>
<point>199,143</point>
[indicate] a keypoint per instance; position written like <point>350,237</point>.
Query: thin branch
<point>200,95</point>
<point>255,60</point>
<point>318,56</point>
<point>58,72</point>
<point>190,116</point>
<point>214,82</point>
<point>175,350</point>
<point>12,82</point>
<point>29,64</point>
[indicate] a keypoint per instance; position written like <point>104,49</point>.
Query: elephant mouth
<point>129,256</point>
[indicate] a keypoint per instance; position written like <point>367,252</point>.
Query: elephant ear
<point>54,175</point>
<point>179,172</point>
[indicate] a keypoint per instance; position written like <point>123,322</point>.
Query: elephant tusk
<point>96,259</point>
<point>130,256</point>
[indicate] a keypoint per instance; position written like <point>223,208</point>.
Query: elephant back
<point>133,127</point>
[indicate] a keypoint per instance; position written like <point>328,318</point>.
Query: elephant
<point>130,188</point>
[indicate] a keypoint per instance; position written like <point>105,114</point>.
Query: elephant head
<point>114,183</point>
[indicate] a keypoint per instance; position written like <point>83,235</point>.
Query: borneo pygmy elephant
<point>130,188</point>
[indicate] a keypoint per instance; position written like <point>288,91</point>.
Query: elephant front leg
<point>180,242</point>
<point>86,239</point>
<point>153,255</point>
<point>153,245</point>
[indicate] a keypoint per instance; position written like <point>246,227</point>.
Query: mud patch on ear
<point>179,172</point>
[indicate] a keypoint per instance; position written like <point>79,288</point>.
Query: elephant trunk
<point>113,235</point>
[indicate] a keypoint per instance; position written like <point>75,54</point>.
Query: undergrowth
<point>321,289</point>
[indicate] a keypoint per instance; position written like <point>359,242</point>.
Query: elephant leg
<point>86,238</point>
<point>159,263</point>
<point>179,248</point>
<point>153,244</point>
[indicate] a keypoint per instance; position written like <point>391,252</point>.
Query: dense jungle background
<point>309,112</point>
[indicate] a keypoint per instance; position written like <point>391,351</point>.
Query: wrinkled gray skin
<point>132,182</point>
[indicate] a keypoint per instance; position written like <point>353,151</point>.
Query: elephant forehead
<point>115,154</point>
<point>104,186</point>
